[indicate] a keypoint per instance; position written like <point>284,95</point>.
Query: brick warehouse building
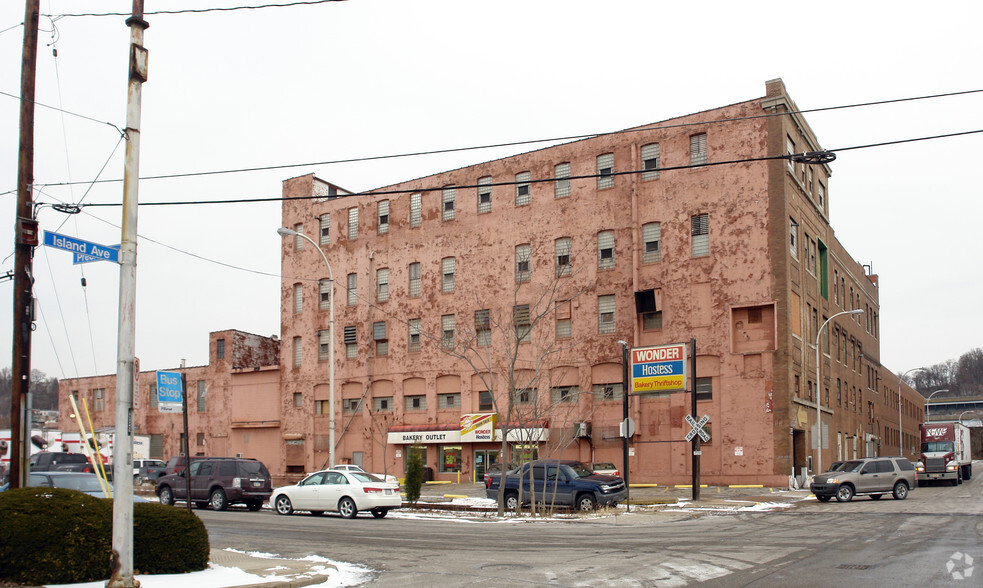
<point>538,265</point>
<point>557,255</point>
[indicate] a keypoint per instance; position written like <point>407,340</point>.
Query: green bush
<point>58,536</point>
<point>414,477</point>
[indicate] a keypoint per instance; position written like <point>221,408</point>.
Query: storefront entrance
<point>483,458</point>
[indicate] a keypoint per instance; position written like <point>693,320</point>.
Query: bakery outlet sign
<point>474,428</point>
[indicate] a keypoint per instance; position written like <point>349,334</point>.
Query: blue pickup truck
<point>560,482</point>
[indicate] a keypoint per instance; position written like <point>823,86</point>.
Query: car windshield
<point>851,466</point>
<point>580,470</point>
<point>937,447</point>
<point>87,483</point>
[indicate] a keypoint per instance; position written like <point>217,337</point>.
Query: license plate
<point>389,491</point>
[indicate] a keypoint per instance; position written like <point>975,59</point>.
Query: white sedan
<point>338,491</point>
<point>350,467</point>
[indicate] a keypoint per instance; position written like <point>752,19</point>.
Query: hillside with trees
<point>43,388</point>
<point>962,377</point>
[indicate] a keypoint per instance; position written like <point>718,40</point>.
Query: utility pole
<point>122,556</point>
<point>25,240</point>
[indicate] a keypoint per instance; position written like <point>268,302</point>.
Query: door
<point>334,487</point>
<point>483,459</point>
<point>305,496</point>
<point>201,473</point>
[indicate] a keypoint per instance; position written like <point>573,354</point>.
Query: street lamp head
<point>285,232</point>
<point>856,311</point>
<point>623,343</point>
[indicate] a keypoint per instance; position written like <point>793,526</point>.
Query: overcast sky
<point>301,85</point>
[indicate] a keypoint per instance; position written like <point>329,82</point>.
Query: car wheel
<point>586,503</point>
<point>218,499</point>
<point>380,513</point>
<point>900,491</point>
<point>823,498</point>
<point>347,508</point>
<point>512,501</point>
<point>282,505</point>
<point>844,493</point>
<point>166,496</point>
<point>876,496</point>
<point>254,505</point>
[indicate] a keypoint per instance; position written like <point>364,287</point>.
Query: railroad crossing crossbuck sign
<point>697,428</point>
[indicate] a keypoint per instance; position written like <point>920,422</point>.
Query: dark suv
<point>219,482</point>
<point>874,477</point>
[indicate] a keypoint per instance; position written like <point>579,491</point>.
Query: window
<point>448,203</point>
<point>416,402</point>
<point>353,223</point>
<point>298,299</point>
<point>525,396</point>
<point>298,240</point>
<point>98,399</point>
<point>790,151</point>
<point>325,229</point>
<point>821,194</point>
<point>564,328</point>
<point>448,266</point>
<point>415,280</point>
<point>523,271</point>
<point>449,458</point>
<point>323,345</point>
<point>351,343</point>
<point>298,400</point>
<point>202,390</point>
<point>298,349</point>
<point>413,341</point>
<point>700,230</point>
<point>382,404</point>
<point>652,321</point>
<point>383,216</point>
<point>382,284</point>
<point>523,326</point>
<point>200,439</point>
<point>447,331</point>
<point>220,348</point>
<point>809,180</point>
<point>698,149</point>
<point>651,242</point>
<point>811,263</point>
<point>416,209</point>
<point>485,401</point>
<point>380,338</point>
<point>605,313</point>
<point>484,194</point>
<point>482,327</point>
<point>561,186</point>
<point>704,389</point>
<point>608,391</point>
<point>650,161</point>
<point>522,189</point>
<point>605,249</point>
<point>563,395</point>
<point>324,294</point>
<point>793,237</point>
<point>605,171</point>
<point>562,248</point>
<point>352,289</point>
<point>445,401</point>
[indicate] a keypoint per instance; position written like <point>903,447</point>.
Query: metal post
<point>819,414</point>
<point>122,556</point>
<point>625,387</point>
<point>695,443</point>
<point>24,241</point>
<point>187,441</point>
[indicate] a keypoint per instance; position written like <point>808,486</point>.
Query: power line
<point>642,129</point>
<point>533,181</point>
<point>203,10</point>
<point>63,111</point>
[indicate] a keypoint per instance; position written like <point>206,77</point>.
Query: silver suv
<point>873,476</point>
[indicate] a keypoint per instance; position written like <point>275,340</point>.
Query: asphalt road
<point>863,542</point>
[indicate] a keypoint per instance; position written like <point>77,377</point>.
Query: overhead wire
<point>204,10</point>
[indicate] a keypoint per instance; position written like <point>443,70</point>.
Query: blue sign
<point>83,258</point>
<point>85,249</point>
<point>169,391</point>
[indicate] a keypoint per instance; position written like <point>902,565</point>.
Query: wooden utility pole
<point>25,240</point>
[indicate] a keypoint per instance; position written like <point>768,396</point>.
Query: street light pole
<point>819,414</point>
<point>900,427</point>
<point>285,232</point>
<point>928,409</point>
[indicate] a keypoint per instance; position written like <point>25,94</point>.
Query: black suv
<point>219,482</point>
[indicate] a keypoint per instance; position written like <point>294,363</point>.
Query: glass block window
<point>449,401</point>
<point>298,240</point>
<point>324,294</point>
<point>382,284</point>
<point>561,185</point>
<point>413,341</point>
<point>564,394</point>
<point>202,390</point>
<point>562,251</point>
<point>352,405</point>
<point>651,242</point>
<point>605,313</point>
<point>416,209</point>
<point>298,351</point>
<point>448,196</point>
<point>484,194</point>
<point>522,187</point>
<point>415,402</point>
<point>383,216</point>
<point>523,267</point>
<point>325,229</point>
<point>605,249</point>
<point>605,171</point>
<point>380,338</point>
<point>482,327</point>
<point>700,231</point>
<point>522,322</point>
<point>298,299</point>
<point>650,161</point>
<point>698,149</point>
<point>608,391</point>
<point>447,325</point>
<point>323,345</point>
<point>564,325</point>
<point>448,266</point>
<point>415,279</point>
<point>383,404</point>
<point>353,223</point>
<point>351,343</point>
<point>352,289</point>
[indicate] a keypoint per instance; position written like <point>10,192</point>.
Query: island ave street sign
<point>658,369</point>
<point>83,250</point>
